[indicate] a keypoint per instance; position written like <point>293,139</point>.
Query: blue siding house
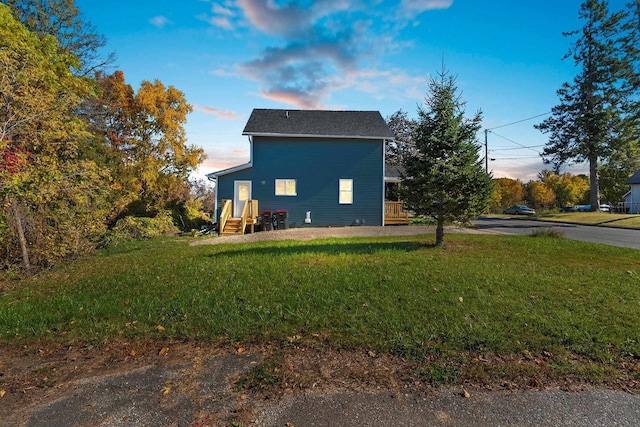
<point>325,168</point>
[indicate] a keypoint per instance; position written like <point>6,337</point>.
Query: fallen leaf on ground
<point>159,328</point>
<point>2,393</point>
<point>163,351</point>
<point>466,394</point>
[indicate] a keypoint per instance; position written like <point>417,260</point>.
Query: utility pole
<point>486,151</point>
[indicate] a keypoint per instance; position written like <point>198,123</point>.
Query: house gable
<point>635,179</point>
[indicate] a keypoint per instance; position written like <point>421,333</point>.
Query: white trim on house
<point>306,135</point>
<point>238,202</point>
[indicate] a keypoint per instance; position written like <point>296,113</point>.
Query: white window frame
<point>288,191</point>
<point>345,195</point>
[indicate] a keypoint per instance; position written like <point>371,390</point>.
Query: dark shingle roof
<point>635,178</point>
<point>393,171</point>
<point>317,123</point>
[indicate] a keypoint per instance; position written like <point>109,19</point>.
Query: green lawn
<point>594,218</point>
<point>480,294</point>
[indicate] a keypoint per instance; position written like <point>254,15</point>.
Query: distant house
<point>324,168</point>
<point>632,198</point>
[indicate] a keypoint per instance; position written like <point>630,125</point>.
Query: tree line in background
<point>549,191</point>
<point>597,120</point>
<point>80,149</point>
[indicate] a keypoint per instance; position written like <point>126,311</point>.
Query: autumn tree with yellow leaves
<point>141,138</point>
<point>79,152</point>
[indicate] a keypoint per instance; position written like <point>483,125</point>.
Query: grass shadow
<point>324,248</point>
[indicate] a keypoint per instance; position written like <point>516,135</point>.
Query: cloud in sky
<point>291,20</point>
<point>159,21</point>
<point>419,6</point>
<point>221,10</point>
<point>222,158</point>
<point>218,159</point>
<point>318,47</point>
<point>222,114</point>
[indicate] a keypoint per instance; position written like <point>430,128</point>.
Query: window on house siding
<point>346,192</point>
<point>286,187</point>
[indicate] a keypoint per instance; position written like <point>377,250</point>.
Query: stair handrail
<point>253,209</point>
<point>245,213</point>
<point>225,214</point>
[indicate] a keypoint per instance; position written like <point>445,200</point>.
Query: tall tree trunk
<point>594,193</point>
<point>17,218</point>
<point>440,231</point>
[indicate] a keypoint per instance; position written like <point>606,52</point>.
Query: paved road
<point>201,394</point>
<point>606,235</point>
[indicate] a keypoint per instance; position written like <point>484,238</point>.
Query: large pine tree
<point>445,178</point>
<point>590,122</point>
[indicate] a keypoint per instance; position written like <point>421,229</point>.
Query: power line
<point>518,158</point>
<point>486,142</point>
<point>520,121</point>
<point>517,143</point>
<point>519,148</point>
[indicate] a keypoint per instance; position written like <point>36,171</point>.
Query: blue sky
<point>231,56</point>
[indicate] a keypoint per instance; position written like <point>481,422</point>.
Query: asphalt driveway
<point>626,238</point>
<point>495,225</point>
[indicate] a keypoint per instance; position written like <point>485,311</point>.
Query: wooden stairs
<point>230,226</point>
<point>233,226</point>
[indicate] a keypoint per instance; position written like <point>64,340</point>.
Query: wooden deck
<point>395,214</point>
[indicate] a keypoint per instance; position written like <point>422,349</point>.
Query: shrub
<point>130,227</point>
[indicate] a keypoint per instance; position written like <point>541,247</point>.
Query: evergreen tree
<point>591,122</point>
<point>625,161</point>
<point>445,178</point>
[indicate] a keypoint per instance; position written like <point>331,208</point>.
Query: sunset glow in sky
<point>231,56</point>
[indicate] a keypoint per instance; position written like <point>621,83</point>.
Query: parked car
<point>519,210</point>
<point>569,209</point>
<point>587,208</point>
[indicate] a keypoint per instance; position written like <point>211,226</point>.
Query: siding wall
<point>634,198</point>
<point>316,165</point>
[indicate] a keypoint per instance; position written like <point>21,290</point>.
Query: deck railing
<point>245,214</point>
<point>225,214</point>
<point>395,213</point>
<point>252,218</point>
